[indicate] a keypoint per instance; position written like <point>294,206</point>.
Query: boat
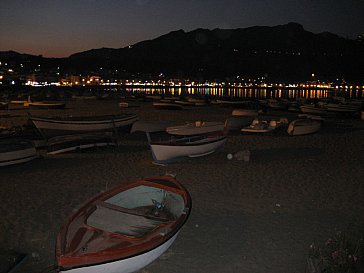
<point>124,229</point>
<point>263,126</point>
<point>345,108</point>
<point>128,104</point>
<point>168,105</point>
<point>68,143</point>
<point>232,103</point>
<point>46,105</point>
<point>240,112</point>
<point>15,151</point>
<point>170,150</point>
<point>276,104</point>
<point>71,125</point>
<point>196,128</point>
<point>314,109</point>
<point>191,102</point>
<point>233,123</point>
<point>304,126</point>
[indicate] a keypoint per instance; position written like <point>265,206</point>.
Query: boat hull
<point>128,265</point>
<point>68,126</point>
<point>165,152</point>
<point>310,109</point>
<point>237,122</point>
<point>45,105</point>
<point>125,228</point>
<point>68,143</point>
<point>168,106</point>
<point>18,155</point>
<point>303,127</point>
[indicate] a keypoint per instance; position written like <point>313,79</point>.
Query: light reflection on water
<point>258,93</point>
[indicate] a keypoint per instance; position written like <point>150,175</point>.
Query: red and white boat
<point>124,229</point>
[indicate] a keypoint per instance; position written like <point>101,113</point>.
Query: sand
<point>256,217</point>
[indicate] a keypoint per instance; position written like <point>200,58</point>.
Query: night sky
<point>58,28</point>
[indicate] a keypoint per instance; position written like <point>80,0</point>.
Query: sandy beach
<point>247,217</point>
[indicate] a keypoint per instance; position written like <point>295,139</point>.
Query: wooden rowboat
<point>124,229</point>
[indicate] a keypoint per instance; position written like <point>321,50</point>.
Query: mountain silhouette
<point>284,52</point>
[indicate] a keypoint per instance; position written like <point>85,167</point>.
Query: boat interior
<point>137,211</point>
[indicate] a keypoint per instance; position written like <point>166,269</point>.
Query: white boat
<point>168,105</point>
<point>68,143</point>
<point>303,127</point>
<point>196,128</point>
<point>237,122</point>
<point>343,108</point>
<point>232,103</point>
<point>70,125</point>
<point>16,151</point>
<point>124,229</point>
<point>262,126</point>
<point>313,109</point>
<point>195,146</point>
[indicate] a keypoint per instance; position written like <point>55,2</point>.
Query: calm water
<point>257,93</point>
<point>211,92</point>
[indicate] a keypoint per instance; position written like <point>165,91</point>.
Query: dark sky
<point>58,28</point>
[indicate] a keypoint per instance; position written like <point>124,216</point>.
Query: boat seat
<point>121,222</point>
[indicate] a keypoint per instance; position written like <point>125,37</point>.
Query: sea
<point>53,92</point>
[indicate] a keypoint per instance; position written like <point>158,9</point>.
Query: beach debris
<point>35,256</point>
<point>159,164</point>
<point>243,155</point>
<point>171,174</point>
